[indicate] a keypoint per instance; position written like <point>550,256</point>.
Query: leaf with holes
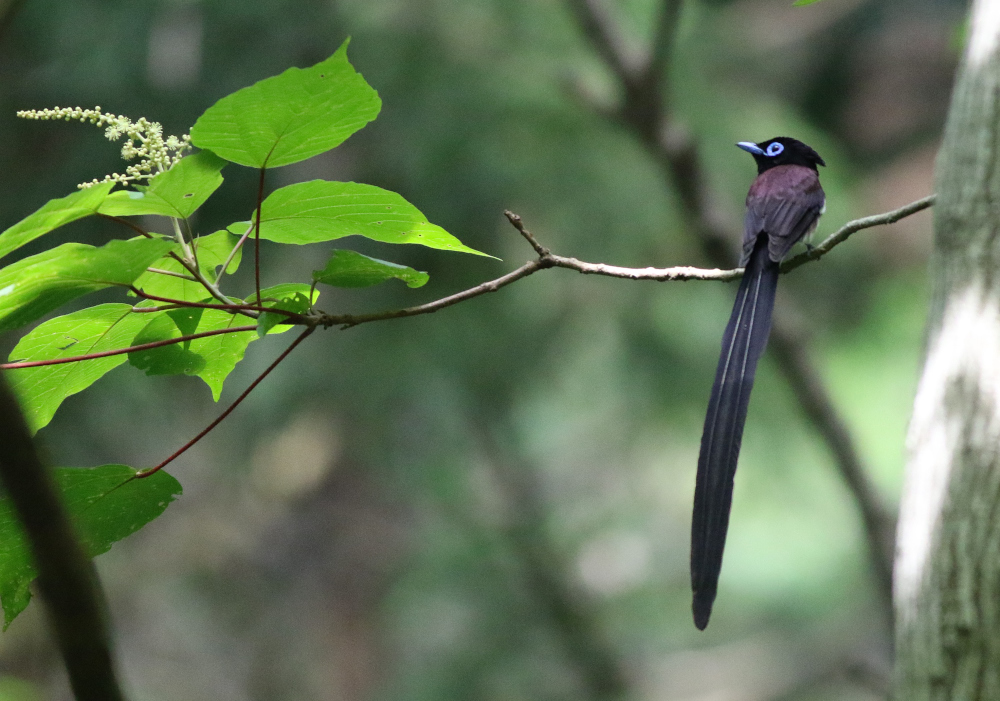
<point>52,215</point>
<point>42,389</point>
<point>105,505</point>
<point>289,117</point>
<point>351,269</point>
<point>34,286</point>
<point>177,192</point>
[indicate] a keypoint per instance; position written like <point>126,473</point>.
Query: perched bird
<point>783,205</point>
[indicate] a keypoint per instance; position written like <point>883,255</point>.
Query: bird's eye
<point>774,149</point>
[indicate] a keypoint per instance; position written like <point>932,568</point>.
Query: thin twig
<point>347,321</point>
<point>547,259</point>
<point>518,223</point>
<point>851,227</point>
<point>680,272</point>
<point>66,577</point>
<point>301,337</point>
<point>121,351</point>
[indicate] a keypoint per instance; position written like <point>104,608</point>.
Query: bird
<point>783,206</point>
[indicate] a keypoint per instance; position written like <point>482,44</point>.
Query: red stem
<point>120,351</point>
<point>149,471</point>
<point>223,307</point>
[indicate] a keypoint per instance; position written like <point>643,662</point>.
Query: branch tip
<point>518,223</point>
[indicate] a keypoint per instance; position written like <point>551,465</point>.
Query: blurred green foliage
<point>487,502</point>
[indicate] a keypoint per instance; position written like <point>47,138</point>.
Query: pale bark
<point>947,571</point>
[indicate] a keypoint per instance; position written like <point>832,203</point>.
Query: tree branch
<point>852,227</point>
<point>66,578</point>
<point>818,408</point>
<point>603,34</point>
<point>547,576</point>
<point>347,321</point>
<point>547,259</point>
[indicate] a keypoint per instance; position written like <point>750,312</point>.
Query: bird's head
<point>780,151</point>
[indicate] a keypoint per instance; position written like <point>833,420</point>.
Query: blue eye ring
<point>774,149</point>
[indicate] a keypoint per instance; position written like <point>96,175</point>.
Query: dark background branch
<point>66,578</point>
<point>547,575</point>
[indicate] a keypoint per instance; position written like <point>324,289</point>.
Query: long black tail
<point>742,345</point>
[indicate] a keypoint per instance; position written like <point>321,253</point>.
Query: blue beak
<point>751,147</point>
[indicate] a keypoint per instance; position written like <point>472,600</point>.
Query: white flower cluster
<point>145,141</point>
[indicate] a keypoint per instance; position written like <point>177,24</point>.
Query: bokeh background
<point>492,503</point>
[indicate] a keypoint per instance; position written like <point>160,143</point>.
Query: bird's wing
<point>785,203</point>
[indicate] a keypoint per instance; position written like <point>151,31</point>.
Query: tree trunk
<point>947,572</point>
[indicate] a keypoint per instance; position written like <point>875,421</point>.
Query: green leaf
<point>321,210</point>
<point>42,389</point>
<point>211,358</point>
<point>173,359</point>
<point>289,117</point>
<point>291,296</point>
<point>52,215</point>
<point>105,504</point>
<point>221,353</point>
<point>351,269</point>
<point>177,192</point>
<point>803,3</point>
<point>211,251</point>
<point>36,285</point>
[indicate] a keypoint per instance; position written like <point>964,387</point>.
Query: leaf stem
<point>189,260</point>
<point>232,253</point>
<point>152,470</point>
<point>245,309</point>
<point>256,240</point>
<point>120,351</point>
<point>179,237</point>
<point>171,273</point>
